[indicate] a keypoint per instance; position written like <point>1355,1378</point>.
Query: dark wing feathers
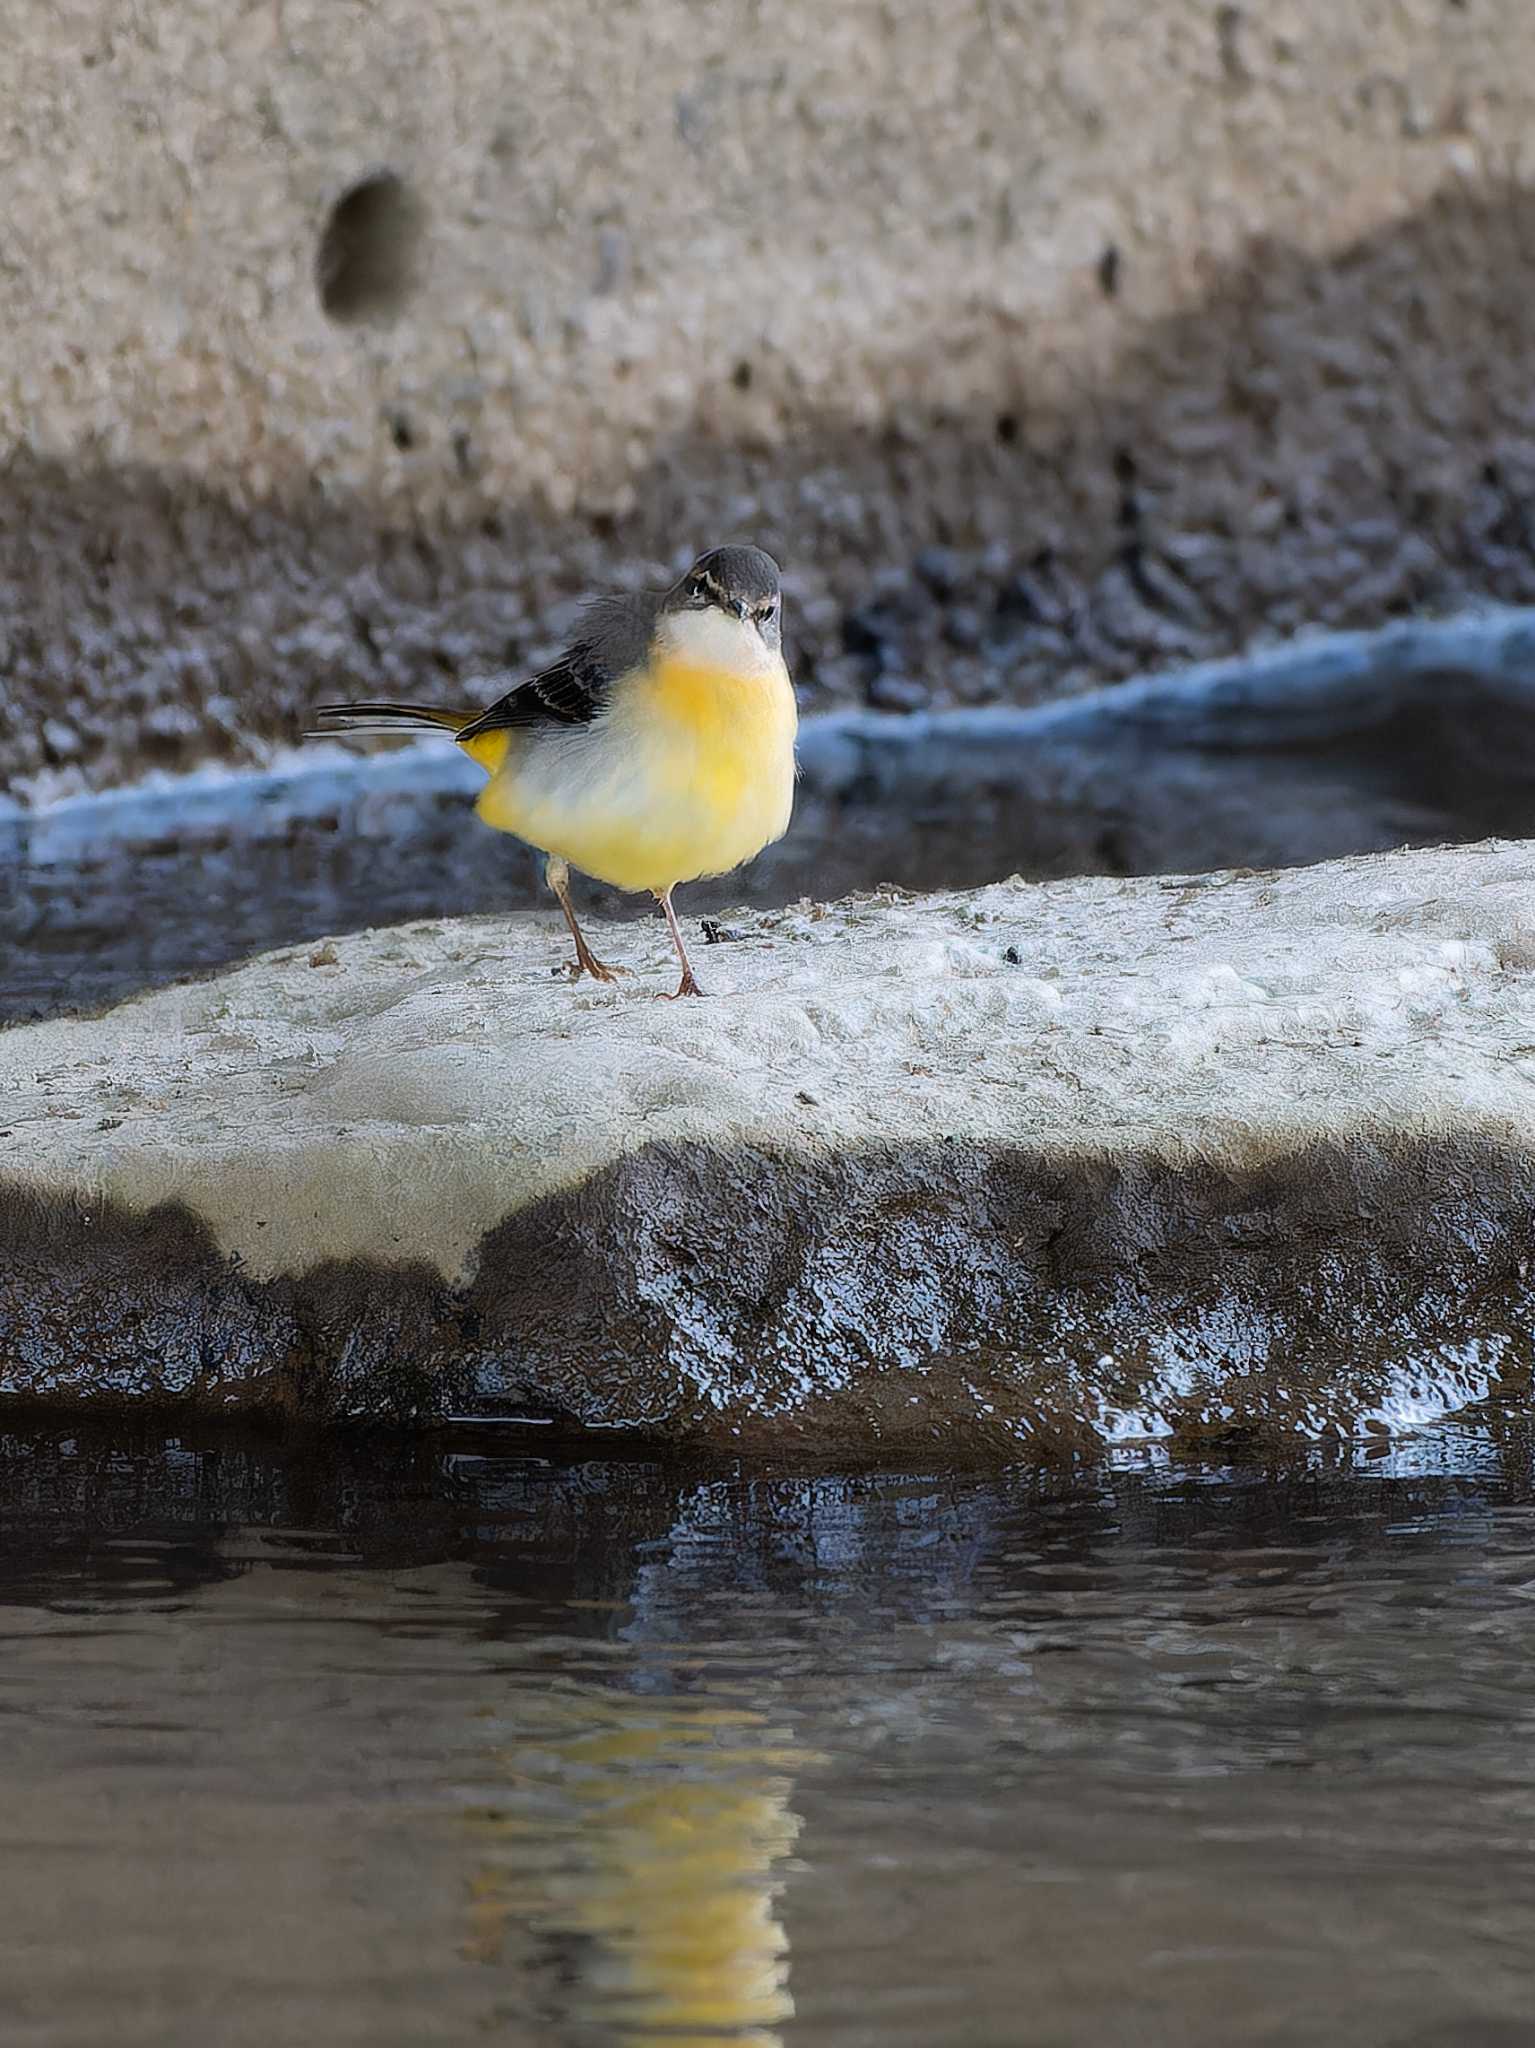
<point>615,634</point>
<point>569,693</point>
<point>614,639</point>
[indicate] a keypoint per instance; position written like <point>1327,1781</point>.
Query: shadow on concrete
<point>1332,441</point>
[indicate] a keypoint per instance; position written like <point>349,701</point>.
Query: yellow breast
<point>719,735</point>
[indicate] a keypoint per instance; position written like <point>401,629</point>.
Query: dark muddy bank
<point>981,1303</point>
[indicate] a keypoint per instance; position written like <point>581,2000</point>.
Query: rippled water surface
<point>456,1743</point>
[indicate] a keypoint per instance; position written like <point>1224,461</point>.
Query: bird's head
<point>739,582</point>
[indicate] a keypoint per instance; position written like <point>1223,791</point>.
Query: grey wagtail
<point>658,749</point>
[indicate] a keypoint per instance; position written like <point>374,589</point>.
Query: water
<point>456,1743</point>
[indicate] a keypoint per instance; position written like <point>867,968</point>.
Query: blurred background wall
<point>1044,340</point>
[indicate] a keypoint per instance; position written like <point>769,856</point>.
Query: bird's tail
<point>375,715</point>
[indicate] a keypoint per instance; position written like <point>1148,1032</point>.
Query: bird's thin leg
<point>687,986</point>
<point>557,875</point>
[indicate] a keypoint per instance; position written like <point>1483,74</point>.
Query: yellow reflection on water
<point>656,1828</point>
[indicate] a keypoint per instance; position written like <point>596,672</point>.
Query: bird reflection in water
<point>640,1841</point>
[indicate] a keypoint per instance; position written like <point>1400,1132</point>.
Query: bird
<point>657,750</point>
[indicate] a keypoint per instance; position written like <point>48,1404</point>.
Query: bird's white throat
<point>713,639</point>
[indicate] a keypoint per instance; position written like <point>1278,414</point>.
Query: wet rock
<point>1036,1166</point>
<point>963,627</point>
<point>889,692</point>
<point>1020,601</point>
<point>866,631</point>
<point>943,571</point>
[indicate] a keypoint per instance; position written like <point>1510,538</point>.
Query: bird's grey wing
<point>614,638</point>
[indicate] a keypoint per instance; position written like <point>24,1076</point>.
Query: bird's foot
<point>588,963</point>
<point>686,987</point>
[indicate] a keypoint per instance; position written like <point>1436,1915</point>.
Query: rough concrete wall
<point>1042,338</point>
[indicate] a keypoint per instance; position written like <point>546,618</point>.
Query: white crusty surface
<point>399,1092</point>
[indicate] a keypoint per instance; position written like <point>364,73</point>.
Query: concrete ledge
<point>1106,1159</point>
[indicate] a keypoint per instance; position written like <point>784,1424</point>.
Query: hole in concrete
<point>366,264</point>
<point>741,376</point>
<point>1007,428</point>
